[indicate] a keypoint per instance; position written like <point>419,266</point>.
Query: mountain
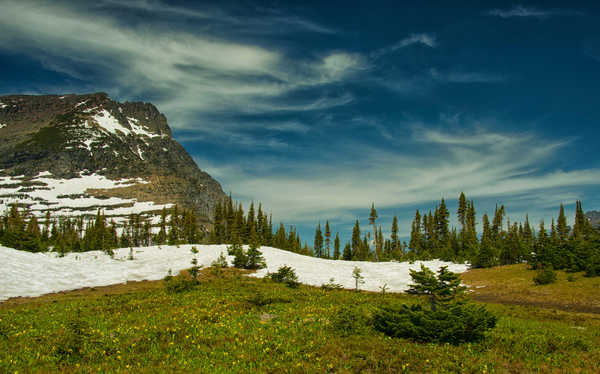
<point>594,217</point>
<point>73,154</point>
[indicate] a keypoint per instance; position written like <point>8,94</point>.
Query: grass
<point>235,324</point>
<point>513,284</point>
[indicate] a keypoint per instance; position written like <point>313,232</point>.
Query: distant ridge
<point>594,217</point>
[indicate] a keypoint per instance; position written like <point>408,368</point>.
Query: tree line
<point>21,229</point>
<point>500,242</point>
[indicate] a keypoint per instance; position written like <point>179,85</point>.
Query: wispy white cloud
<point>185,71</point>
<point>425,39</point>
<point>265,21</point>
<point>522,11</point>
<point>482,163</point>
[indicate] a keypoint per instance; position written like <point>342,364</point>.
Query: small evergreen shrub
<point>179,284</point>
<point>455,323</point>
<point>592,269</point>
<point>73,339</point>
<point>251,259</point>
<point>331,285</point>
<point>358,278</point>
<point>545,275</point>
<point>285,274</point>
<point>350,320</point>
<point>220,262</point>
<point>450,318</point>
<point>260,299</point>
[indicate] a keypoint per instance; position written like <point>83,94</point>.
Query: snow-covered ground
<point>34,274</point>
<point>67,197</point>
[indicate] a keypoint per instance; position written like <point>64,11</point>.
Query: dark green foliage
<point>545,275</point>
<point>74,338</point>
<point>592,269</point>
<point>179,284</point>
<point>331,285</point>
<point>441,289</point>
<point>240,259</point>
<point>220,262</point>
<point>336,247</point>
<point>449,318</point>
<point>20,229</point>
<point>254,255</point>
<point>318,247</point>
<point>261,299</point>
<point>455,324</point>
<point>285,274</point>
<point>350,320</point>
<point>250,259</point>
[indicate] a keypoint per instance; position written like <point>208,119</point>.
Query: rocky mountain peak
<point>69,137</point>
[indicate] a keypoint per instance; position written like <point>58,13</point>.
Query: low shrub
<point>350,320</point>
<point>73,339</point>
<point>545,275</point>
<point>261,299</point>
<point>220,262</point>
<point>450,318</point>
<point>454,324</point>
<point>251,259</point>
<point>331,285</point>
<point>179,284</point>
<point>285,274</point>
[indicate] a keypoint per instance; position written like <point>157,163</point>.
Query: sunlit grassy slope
<point>513,284</point>
<point>237,324</point>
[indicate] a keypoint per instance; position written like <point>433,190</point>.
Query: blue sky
<point>319,109</point>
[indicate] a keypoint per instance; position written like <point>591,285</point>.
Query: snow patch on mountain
<point>33,274</point>
<point>110,123</point>
<point>68,197</point>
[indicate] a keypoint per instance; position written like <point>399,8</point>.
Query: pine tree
<point>356,241</point>
<point>486,256</point>
<point>416,238</point>
<point>250,221</point>
<point>327,238</point>
<point>372,218</point>
<point>442,222</point>
<point>462,211</point>
<point>395,244</point>
<point>318,247</point>
<point>347,254</point>
<point>336,247</point>
<point>562,228</point>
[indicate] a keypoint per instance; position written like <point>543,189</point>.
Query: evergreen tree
<point>327,238</point>
<point>395,241</point>
<point>486,256</point>
<point>356,241</point>
<point>415,243</point>
<point>372,218</point>
<point>161,237</point>
<point>336,247</point>
<point>347,254</point>
<point>563,229</point>
<point>318,247</point>
<point>462,211</point>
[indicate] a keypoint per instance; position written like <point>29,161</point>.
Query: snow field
<point>33,274</point>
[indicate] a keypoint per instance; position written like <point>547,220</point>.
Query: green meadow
<point>231,323</point>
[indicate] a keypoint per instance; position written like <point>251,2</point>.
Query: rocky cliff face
<point>106,151</point>
<point>594,217</point>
